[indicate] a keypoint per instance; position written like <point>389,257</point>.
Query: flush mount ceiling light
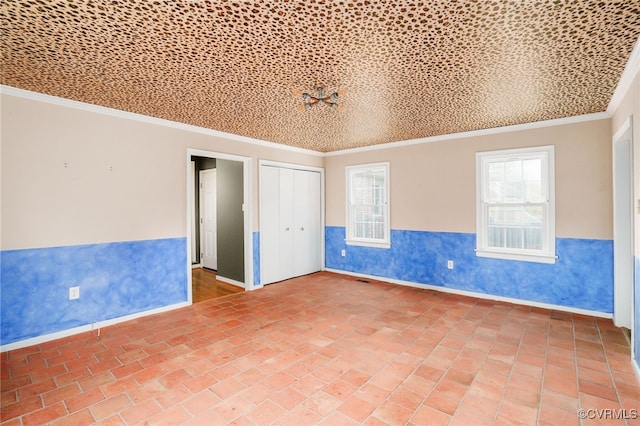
<point>319,97</point>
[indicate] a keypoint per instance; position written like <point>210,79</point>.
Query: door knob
<point>286,229</point>
<point>302,228</point>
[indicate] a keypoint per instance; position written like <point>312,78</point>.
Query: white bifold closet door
<point>290,223</point>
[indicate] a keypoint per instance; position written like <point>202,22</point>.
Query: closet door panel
<point>307,222</point>
<point>287,250</point>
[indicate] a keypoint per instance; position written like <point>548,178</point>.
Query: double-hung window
<point>368,205</point>
<point>515,217</point>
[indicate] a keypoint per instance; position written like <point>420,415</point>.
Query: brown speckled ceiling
<point>411,69</point>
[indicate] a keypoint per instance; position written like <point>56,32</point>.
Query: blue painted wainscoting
<point>256,258</point>
<point>582,277</point>
<point>115,280</point>
<point>636,313</point>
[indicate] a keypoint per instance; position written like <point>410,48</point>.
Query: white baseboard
<point>230,281</point>
<point>196,265</point>
<point>478,295</point>
<point>100,324</point>
<point>89,327</point>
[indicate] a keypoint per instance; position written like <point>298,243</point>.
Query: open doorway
<point>218,220</point>
<point>203,212</point>
<point>623,227</point>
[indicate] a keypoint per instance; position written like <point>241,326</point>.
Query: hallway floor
<point>205,286</point>
<point>327,349</point>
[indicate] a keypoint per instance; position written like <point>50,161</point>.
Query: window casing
<point>515,216</point>
<point>368,205</point>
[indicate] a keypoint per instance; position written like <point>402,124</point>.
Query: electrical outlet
<point>343,253</point>
<point>449,264</point>
<point>74,293</point>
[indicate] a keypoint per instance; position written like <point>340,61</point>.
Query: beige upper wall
<point>630,107</point>
<point>126,179</point>
<point>71,176</point>
<point>433,185</point>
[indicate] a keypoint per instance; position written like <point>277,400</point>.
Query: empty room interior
<point>320,212</point>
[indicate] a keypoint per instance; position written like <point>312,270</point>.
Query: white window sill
<point>376,244</point>
<point>537,258</point>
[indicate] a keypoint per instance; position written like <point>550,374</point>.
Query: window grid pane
<point>367,201</point>
<point>515,204</point>
<point>515,209</point>
<point>515,181</point>
<point>515,227</point>
<point>366,223</point>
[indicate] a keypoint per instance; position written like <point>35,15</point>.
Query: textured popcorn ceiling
<point>410,69</point>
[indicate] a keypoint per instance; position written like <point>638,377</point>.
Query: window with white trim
<point>515,208</point>
<point>368,205</point>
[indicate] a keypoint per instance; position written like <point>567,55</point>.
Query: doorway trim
<point>623,247</point>
<point>247,212</point>
<point>191,206</point>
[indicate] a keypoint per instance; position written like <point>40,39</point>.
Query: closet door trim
<point>269,163</point>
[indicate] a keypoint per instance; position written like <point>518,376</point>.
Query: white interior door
<point>307,222</point>
<point>623,229</point>
<point>208,220</point>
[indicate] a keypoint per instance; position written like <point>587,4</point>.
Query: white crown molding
<point>630,71</point>
<point>482,132</point>
<point>68,103</point>
<point>12,91</point>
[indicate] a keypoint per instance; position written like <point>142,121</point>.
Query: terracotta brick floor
<point>327,349</point>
